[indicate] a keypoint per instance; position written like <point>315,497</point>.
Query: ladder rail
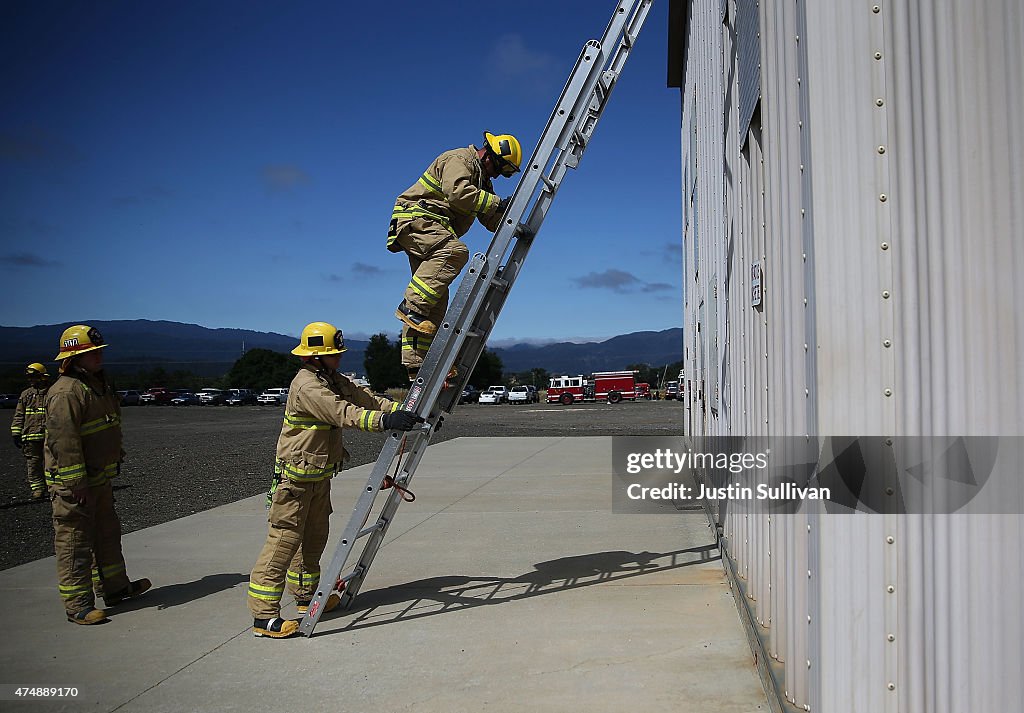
<point>485,286</point>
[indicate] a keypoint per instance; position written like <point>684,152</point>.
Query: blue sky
<point>234,164</point>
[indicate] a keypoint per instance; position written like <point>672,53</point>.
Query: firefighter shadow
<point>173,595</point>
<point>443,595</point>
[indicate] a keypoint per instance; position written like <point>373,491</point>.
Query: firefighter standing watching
<point>427,222</point>
<point>82,454</point>
<point>321,402</point>
<point>28,426</point>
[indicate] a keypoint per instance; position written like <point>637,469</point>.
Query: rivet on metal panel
<point>890,539</point>
<point>807,707</point>
<point>885,246</point>
<point>808,618</point>
<point>887,343</point>
<point>891,638</point>
<point>885,294</point>
<point>808,528</point>
<point>798,38</point>
<point>888,441</point>
<point>801,169</point>
<point>808,574</point>
<point>890,589</point>
<point>808,663</point>
<point>881,149</point>
<point>876,9</point>
<point>879,102</point>
<point>807,392</point>
<point>805,347</point>
<point>883,197</point>
<point>805,301</point>
<point>878,55</point>
<point>888,392</point>
<point>889,491</point>
<point>891,686</point>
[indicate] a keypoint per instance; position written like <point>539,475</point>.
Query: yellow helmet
<point>508,151</point>
<point>79,339</point>
<point>35,369</point>
<point>320,339</point>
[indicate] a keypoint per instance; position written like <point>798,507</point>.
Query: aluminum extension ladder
<point>462,335</point>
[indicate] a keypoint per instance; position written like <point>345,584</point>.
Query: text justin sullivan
<point>783,491</point>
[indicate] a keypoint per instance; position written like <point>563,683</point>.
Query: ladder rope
<point>390,481</point>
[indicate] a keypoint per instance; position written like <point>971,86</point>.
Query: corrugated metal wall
<point>878,184</point>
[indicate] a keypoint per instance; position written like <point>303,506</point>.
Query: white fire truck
<point>610,386</point>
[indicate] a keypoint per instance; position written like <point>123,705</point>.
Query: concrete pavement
<point>507,585</point>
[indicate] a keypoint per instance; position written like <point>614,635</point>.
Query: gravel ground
<point>188,459</point>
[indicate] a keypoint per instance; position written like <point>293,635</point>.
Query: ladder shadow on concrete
<point>448,594</point>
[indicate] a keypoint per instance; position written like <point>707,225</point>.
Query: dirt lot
<point>184,460</point>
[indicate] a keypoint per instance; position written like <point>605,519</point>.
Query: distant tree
<point>538,377</point>
<point>383,364</point>
<point>488,370</point>
<point>262,368</point>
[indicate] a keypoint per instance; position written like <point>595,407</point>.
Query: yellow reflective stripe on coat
<point>63,475</point>
<point>431,184</point>
<point>38,411</point>
<point>270,594</point>
<point>308,475</point>
<point>15,430</point>
<point>108,472</point>
<point>401,212</point>
<point>33,436</point>
<point>366,420</point>
<point>484,201</point>
<point>72,592</point>
<point>90,428</point>
<point>394,407</point>
<point>307,423</point>
<point>424,290</point>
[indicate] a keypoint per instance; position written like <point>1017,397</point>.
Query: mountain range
<point>145,344</point>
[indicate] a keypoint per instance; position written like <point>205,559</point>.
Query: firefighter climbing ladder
<point>463,334</point>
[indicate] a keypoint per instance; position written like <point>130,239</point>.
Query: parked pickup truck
<point>273,397</point>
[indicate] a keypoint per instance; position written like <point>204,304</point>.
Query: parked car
<point>185,398</point>
<point>129,397</point>
<point>494,395</point>
<point>212,397</point>
<point>8,400</point>
<point>155,395</point>
<point>470,395</point>
<point>273,397</point>
<point>522,395</point>
<point>240,397</point>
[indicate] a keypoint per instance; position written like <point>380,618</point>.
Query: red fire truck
<point>610,386</point>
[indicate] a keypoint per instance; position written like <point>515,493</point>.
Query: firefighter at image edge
<point>29,425</point>
<point>321,402</point>
<point>427,221</point>
<point>82,453</point>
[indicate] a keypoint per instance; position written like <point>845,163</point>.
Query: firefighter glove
<point>400,421</point>
<point>17,441</point>
<point>503,204</point>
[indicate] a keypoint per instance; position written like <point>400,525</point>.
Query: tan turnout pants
<point>436,257</point>
<point>299,524</point>
<point>87,541</point>
<point>33,452</point>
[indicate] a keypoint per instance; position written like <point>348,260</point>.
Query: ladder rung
<point>357,572</point>
<point>371,529</point>
<point>473,334</point>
